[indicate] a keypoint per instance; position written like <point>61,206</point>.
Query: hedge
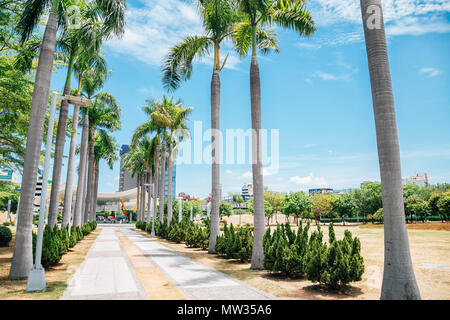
<point>5,236</point>
<point>56,242</point>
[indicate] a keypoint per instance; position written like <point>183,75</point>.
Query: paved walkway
<point>107,272</point>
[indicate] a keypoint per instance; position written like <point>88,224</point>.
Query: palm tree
<point>87,38</point>
<point>105,148</point>
<point>142,130</point>
<point>95,64</point>
<point>289,14</point>
<point>170,116</point>
<point>23,258</point>
<point>218,18</point>
<point>134,161</point>
<point>148,149</point>
<point>178,117</point>
<point>103,113</point>
<point>108,11</point>
<point>84,61</point>
<point>399,281</point>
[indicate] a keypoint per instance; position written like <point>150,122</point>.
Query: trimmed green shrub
<point>235,245</point>
<point>5,236</point>
<point>284,251</point>
<point>7,223</point>
<point>197,236</point>
<point>336,265</point>
<point>149,227</point>
<point>176,233</point>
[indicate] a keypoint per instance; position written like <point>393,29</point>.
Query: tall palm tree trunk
<point>59,148</point>
<point>81,186</point>
<point>169,185</point>
<point>156,182</point>
<point>90,179</point>
<point>163,182</point>
<point>215,155</point>
<point>70,169</point>
<point>149,195</point>
<point>23,257</point>
<point>399,281</point>
<point>143,196</point>
<point>258,187</point>
<point>94,202</point>
<point>138,193</point>
<point>84,198</point>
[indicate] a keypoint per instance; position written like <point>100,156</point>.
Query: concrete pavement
<point>108,273</point>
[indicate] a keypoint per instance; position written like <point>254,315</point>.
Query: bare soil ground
<point>57,277</point>
<point>430,250</point>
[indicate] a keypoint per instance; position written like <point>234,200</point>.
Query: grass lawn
<point>57,277</point>
<point>430,250</point>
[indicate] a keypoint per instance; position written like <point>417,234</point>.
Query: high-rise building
<point>247,191</point>
<point>127,182</point>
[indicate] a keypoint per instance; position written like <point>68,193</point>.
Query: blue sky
<point>316,91</point>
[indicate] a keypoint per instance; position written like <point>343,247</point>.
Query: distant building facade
<point>127,182</point>
<point>8,176</point>
<point>247,191</point>
<point>320,190</point>
<point>418,178</point>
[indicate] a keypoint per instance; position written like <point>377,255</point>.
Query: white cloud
<point>430,72</point>
<point>333,77</point>
<point>400,16</point>
<point>156,26</point>
<point>309,181</point>
<point>229,172</point>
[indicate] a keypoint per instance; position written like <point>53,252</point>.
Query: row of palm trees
<point>247,24</point>
<point>149,156</point>
<point>80,46</point>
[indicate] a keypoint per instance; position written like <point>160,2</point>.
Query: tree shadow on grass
<point>280,277</point>
<point>318,291</point>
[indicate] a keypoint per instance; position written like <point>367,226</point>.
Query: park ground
<point>430,249</point>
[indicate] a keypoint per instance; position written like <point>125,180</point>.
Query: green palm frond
<point>179,62</point>
<point>291,15</point>
<point>266,40</point>
<point>30,17</point>
<point>144,129</point>
<point>242,37</point>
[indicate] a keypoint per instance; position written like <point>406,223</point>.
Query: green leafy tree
<point>225,209</point>
<point>416,206</point>
<point>368,199</point>
<point>344,206</point>
<point>444,205</point>
<point>321,205</point>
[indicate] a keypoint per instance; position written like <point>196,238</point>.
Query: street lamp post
<point>36,277</point>
<point>191,213</point>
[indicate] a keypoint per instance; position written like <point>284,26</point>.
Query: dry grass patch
<point>430,251</point>
<point>57,277</point>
